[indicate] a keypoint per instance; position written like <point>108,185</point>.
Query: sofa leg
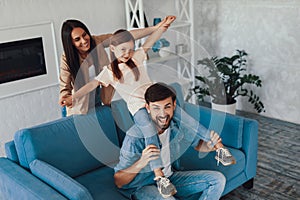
<point>249,184</point>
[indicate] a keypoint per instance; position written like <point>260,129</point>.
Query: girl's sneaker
<point>165,187</point>
<point>224,156</point>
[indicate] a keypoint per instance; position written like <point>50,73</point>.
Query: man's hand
<point>66,101</point>
<point>214,139</point>
<point>125,176</point>
<point>210,145</point>
<point>151,152</point>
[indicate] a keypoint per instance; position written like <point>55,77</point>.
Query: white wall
<point>270,32</point>
<point>32,108</point>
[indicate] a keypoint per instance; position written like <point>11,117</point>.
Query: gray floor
<point>278,171</point>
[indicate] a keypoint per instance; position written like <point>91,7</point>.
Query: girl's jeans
<point>143,120</point>
<point>189,185</point>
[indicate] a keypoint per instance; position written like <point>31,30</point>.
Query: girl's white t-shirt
<point>129,89</point>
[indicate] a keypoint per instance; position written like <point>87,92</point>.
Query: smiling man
<point>133,175</point>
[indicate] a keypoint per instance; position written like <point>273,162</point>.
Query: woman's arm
<point>158,32</point>
<point>65,78</point>
<point>65,83</point>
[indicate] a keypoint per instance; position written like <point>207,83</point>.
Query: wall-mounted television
<point>28,58</point>
<point>22,59</point>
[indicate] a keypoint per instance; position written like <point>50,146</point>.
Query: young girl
<point>129,77</point>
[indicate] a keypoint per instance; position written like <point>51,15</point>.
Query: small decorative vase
<point>231,108</point>
<point>164,51</point>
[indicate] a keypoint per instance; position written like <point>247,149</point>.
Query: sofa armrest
<point>59,180</point>
<point>237,132</point>
<point>250,146</point>
<point>17,183</point>
<point>11,152</point>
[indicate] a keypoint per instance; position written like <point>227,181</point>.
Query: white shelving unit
<point>182,33</point>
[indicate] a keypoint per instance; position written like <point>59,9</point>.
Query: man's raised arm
<point>125,176</point>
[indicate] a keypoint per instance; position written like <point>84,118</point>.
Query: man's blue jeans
<point>189,185</point>
<point>144,122</point>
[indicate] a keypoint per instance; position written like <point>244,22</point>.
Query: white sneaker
<point>224,156</point>
<point>165,187</point>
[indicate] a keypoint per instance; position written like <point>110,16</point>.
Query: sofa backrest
<point>179,94</point>
<point>74,145</point>
<point>123,118</point>
<point>229,127</point>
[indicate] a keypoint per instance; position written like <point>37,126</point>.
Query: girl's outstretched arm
<point>87,88</point>
<point>136,33</point>
<point>158,32</point>
<point>143,32</point>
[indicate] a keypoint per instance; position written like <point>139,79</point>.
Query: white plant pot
<point>231,108</point>
<point>164,52</point>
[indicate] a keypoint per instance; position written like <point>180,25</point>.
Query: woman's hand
<point>66,101</point>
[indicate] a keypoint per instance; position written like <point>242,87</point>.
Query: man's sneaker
<point>224,156</point>
<point>165,187</point>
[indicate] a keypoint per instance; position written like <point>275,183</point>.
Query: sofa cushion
<point>100,184</point>
<point>74,145</point>
<point>11,152</point>
<point>59,180</point>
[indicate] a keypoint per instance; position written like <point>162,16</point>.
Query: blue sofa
<point>73,157</point>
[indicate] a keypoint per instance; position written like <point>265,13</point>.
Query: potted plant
<point>226,79</point>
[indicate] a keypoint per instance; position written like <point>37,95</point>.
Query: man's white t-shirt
<point>165,152</point>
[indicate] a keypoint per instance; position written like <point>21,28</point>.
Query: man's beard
<point>162,122</point>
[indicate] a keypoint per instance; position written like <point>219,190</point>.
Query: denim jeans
<point>143,120</point>
<point>202,184</point>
